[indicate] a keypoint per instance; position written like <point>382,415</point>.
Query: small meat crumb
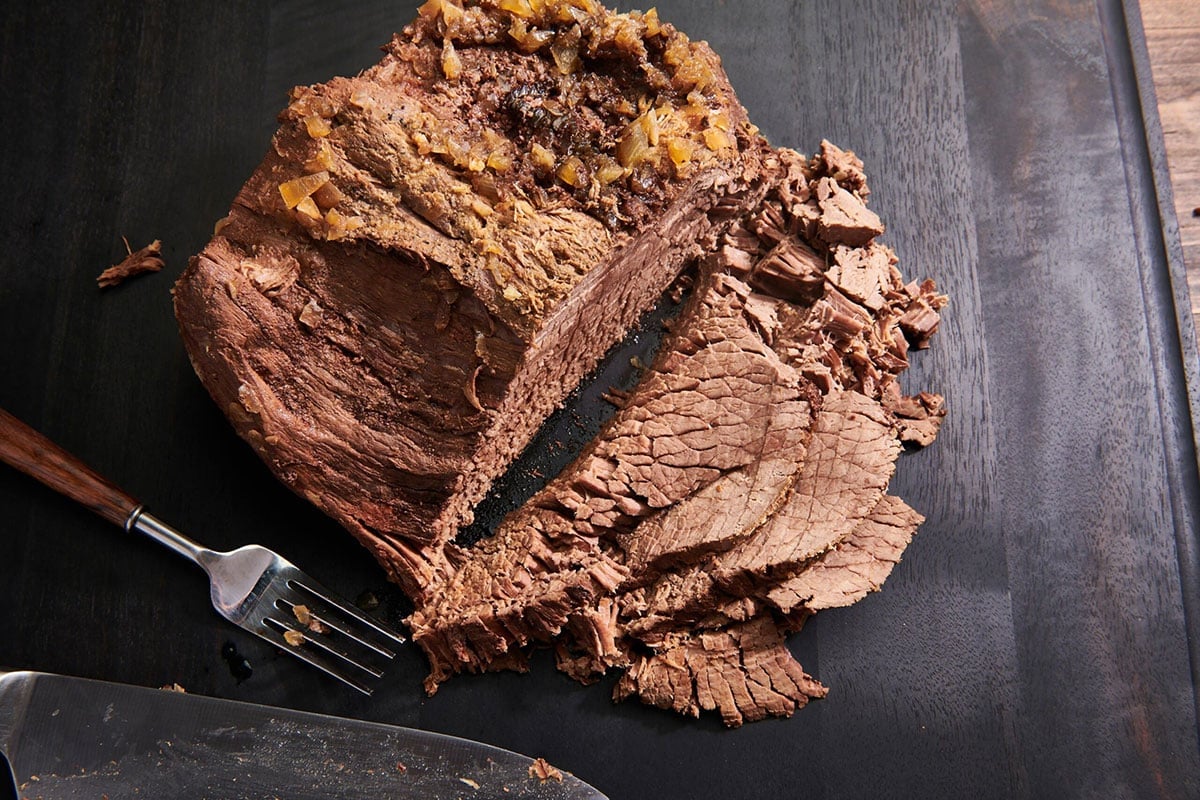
<point>311,315</point>
<point>173,687</point>
<point>294,638</point>
<point>543,771</point>
<point>304,617</point>
<point>148,259</point>
<point>1196,211</point>
<point>401,767</point>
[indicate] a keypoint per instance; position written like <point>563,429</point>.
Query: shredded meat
<point>147,259</point>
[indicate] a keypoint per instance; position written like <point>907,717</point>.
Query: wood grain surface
<point>1173,39</point>
<point>1036,641</point>
<point>25,449</point>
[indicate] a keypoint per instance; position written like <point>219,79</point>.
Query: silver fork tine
<point>322,643</point>
<point>275,636</point>
<point>331,622</point>
<point>246,583</point>
<point>316,590</point>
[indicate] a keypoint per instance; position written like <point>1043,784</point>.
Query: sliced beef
<point>717,414</point>
<point>744,672</point>
<point>718,399</point>
<point>856,566</point>
<point>434,253</point>
<point>845,472</point>
<point>713,519</point>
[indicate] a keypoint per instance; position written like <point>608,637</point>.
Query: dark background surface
<point>1033,643</point>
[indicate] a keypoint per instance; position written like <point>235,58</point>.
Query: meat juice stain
<point>239,665</point>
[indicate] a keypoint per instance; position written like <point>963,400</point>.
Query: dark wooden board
<point>1035,642</point>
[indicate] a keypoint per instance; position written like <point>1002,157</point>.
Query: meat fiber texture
<point>435,252</point>
<point>741,487</point>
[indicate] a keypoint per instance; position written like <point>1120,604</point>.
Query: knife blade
<point>78,738</point>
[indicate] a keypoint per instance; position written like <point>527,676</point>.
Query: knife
<point>78,738</point>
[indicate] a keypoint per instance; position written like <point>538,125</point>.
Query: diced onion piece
<point>305,102</point>
<point>650,125</point>
<point>677,53</point>
<point>308,208</point>
<point>529,41</point>
<point>690,71</point>
<point>628,38</point>
<point>574,173</point>
<point>542,157</point>
<point>476,163</point>
<point>512,293</point>
<point>452,15</point>
<point>634,147</point>
<point>458,152</point>
<point>323,160</point>
<point>360,98</point>
<point>696,111</point>
<point>716,139</point>
<point>452,66</point>
<point>519,8</point>
<point>492,139</point>
<point>680,151</point>
<point>499,162</point>
<point>607,170</point>
<point>653,24</point>
<point>220,226</point>
<point>481,208</point>
<point>340,225</point>
<point>431,9</point>
<point>298,189</point>
<point>318,127</point>
<point>721,120</point>
<point>566,57</point>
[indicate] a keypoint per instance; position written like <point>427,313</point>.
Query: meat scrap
<point>542,771</point>
<point>147,259</point>
<point>743,672</point>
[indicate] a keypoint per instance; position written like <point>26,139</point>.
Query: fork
<point>252,587</point>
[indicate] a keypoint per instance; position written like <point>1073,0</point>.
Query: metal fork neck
<point>164,534</point>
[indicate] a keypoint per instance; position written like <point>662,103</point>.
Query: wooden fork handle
<point>32,453</point>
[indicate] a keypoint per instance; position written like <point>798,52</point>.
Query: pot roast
<point>436,252</point>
